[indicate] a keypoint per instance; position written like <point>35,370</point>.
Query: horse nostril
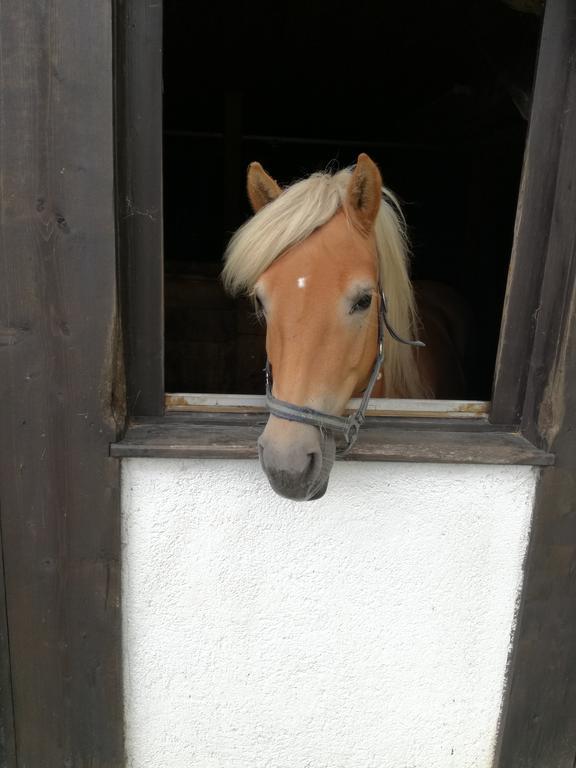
<point>314,466</point>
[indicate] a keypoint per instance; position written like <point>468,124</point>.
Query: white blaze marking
<point>301,282</point>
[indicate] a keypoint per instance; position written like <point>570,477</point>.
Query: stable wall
<point>370,629</point>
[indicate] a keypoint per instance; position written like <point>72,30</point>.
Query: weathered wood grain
<point>455,409</point>
<point>540,415</point>
<point>380,440</point>
<point>139,191</point>
<point>60,393</point>
<point>534,215</point>
<point>538,727</point>
<point>538,721</point>
<point>7,736</point>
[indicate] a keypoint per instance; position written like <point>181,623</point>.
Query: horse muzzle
<point>297,459</point>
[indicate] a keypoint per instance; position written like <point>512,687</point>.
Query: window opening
<point>438,94</point>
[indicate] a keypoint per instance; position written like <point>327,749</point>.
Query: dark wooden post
<point>539,718</point>
<point>542,159</point>
<point>7,743</point>
<point>139,191</point>
<point>61,395</point>
<point>538,728</point>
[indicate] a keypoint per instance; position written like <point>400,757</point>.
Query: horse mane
<point>292,217</point>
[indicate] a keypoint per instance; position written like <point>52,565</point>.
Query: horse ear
<point>364,192</point>
<point>262,189</point>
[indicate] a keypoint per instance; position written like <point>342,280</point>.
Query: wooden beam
<point>540,416</point>
<point>538,721</point>
<point>378,406</point>
<point>60,386</point>
<point>381,439</point>
<point>7,736</point>
<point>534,214</point>
<point>139,188</point>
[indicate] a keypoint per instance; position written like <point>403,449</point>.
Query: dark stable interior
<point>437,93</point>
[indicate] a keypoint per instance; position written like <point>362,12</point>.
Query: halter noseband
<point>348,425</point>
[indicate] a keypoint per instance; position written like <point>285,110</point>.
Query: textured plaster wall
<point>367,630</point>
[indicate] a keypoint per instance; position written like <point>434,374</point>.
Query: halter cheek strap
<point>349,426</point>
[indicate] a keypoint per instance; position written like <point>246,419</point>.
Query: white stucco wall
<point>366,630</point>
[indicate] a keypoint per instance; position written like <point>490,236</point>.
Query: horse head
<point>314,258</point>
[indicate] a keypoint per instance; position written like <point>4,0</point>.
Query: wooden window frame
<point>509,434</point>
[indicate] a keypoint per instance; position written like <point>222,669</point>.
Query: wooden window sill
<point>411,408</point>
<point>234,436</point>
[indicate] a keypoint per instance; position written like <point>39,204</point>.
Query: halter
<point>348,425</point>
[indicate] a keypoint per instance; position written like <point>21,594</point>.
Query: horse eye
<point>362,304</point>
